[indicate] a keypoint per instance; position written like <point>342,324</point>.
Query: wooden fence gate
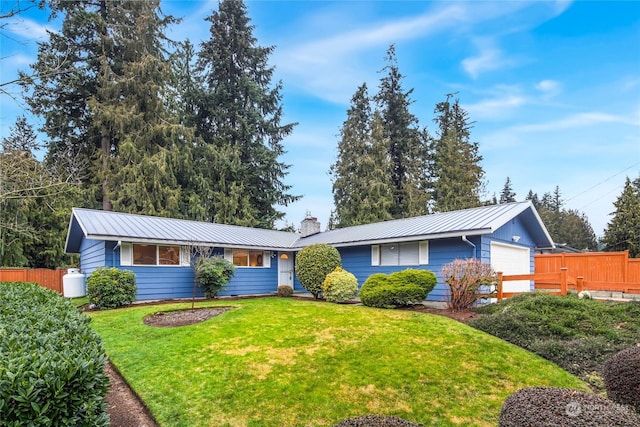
<point>50,279</point>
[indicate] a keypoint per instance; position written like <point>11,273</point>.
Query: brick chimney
<point>309,225</point>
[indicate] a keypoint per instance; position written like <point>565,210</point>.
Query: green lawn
<point>287,362</point>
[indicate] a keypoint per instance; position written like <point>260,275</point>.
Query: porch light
<point>284,256</point>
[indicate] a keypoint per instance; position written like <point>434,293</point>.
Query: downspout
<point>467,241</point>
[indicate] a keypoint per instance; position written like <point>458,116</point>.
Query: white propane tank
<point>73,284</point>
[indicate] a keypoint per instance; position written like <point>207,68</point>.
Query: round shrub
<point>313,263</point>
<point>111,287</point>
<point>51,361</point>
<point>397,289</point>
<point>285,291</point>
<point>548,406</point>
<point>376,421</point>
<point>340,286</point>
<point>621,375</point>
<point>213,274</point>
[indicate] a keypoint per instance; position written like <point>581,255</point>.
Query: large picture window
<point>248,258</point>
<point>148,254</point>
<point>406,253</point>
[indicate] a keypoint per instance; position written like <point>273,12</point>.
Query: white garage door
<point>510,259</point>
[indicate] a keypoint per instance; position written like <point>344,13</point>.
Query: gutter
<point>467,241</point>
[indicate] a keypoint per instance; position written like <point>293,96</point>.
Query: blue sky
<point>553,87</point>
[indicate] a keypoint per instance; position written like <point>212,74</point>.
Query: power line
<point>603,181</point>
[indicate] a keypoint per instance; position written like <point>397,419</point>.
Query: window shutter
<point>126,254</point>
<point>228,254</point>
<point>185,256</point>
<point>424,253</point>
<point>375,254</point>
<point>266,259</point>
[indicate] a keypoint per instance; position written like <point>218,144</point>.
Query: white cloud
<point>549,88</point>
<point>496,108</point>
<point>28,28</point>
<point>489,58</point>
<point>578,120</point>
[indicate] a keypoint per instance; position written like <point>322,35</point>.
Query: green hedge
<point>109,287</point>
<point>51,362</point>
<point>313,263</point>
<point>401,288</point>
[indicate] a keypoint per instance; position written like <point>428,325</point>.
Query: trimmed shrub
<point>313,263</point>
<point>285,291</point>
<point>577,334</point>
<point>397,289</point>
<point>213,274</point>
<point>111,287</point>
<point>376,421</point>
<point>340,286</point>
<point>548,406</point>
<point>51,363</point>
<point>621,375</point>
<point>468,281</point>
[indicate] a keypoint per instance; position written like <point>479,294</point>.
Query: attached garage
<point>512,259</point>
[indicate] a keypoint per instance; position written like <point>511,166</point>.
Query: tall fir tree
<point>407,148</point>
<point>238,117</point>
<point>457,172</point>
<point>140,139</point>
<point>62,82</point>
<point>507,195</point>
<point>623,231</point>
<point>360,175</point>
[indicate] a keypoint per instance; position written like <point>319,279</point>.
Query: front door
<point>285,268</point>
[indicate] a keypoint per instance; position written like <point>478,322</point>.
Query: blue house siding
<point>357,260</point>
<point>92,255</point>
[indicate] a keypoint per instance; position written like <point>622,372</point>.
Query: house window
<point>408,253</point>
<point>155,255</point>
<point>248,258</point>
<point>144,254</point>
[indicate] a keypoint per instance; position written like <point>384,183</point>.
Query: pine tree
<point>457,173</point>
<point>360,175</point>
<point>141,141</point>
<point>407,149</point>
<point>239,119</point>
<point>507,194</point>
<point>534,199</point>
<point>623,231</point>
<point>63,81</point>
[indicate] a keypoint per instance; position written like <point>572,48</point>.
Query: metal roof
<point>474,221</point>
<point>113,226</point>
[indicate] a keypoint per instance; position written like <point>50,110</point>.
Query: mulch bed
<point>171,319</point>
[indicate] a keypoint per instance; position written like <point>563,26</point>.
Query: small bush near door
<point>340,286</point>
<point>111,288</point>
<point>285,291</point>
<point>213,274</point>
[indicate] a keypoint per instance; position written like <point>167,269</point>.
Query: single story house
<point>158,249</point>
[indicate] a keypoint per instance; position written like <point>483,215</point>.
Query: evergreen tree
<point>238,117</point>
<point>623,231</point>
<point>407,148</point>
<point>33,204</point>
<point>457,173</point>
<point>141,141</point>
<point>361,190</point>
<point>62,82</point>
<point>507,194</point>
<point>534,199</point>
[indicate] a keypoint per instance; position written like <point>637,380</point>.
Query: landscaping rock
<point>548,406</point>
<point>376,421</point>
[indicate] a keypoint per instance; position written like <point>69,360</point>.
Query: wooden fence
<point>50,279</point>
<point>560,273</point>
